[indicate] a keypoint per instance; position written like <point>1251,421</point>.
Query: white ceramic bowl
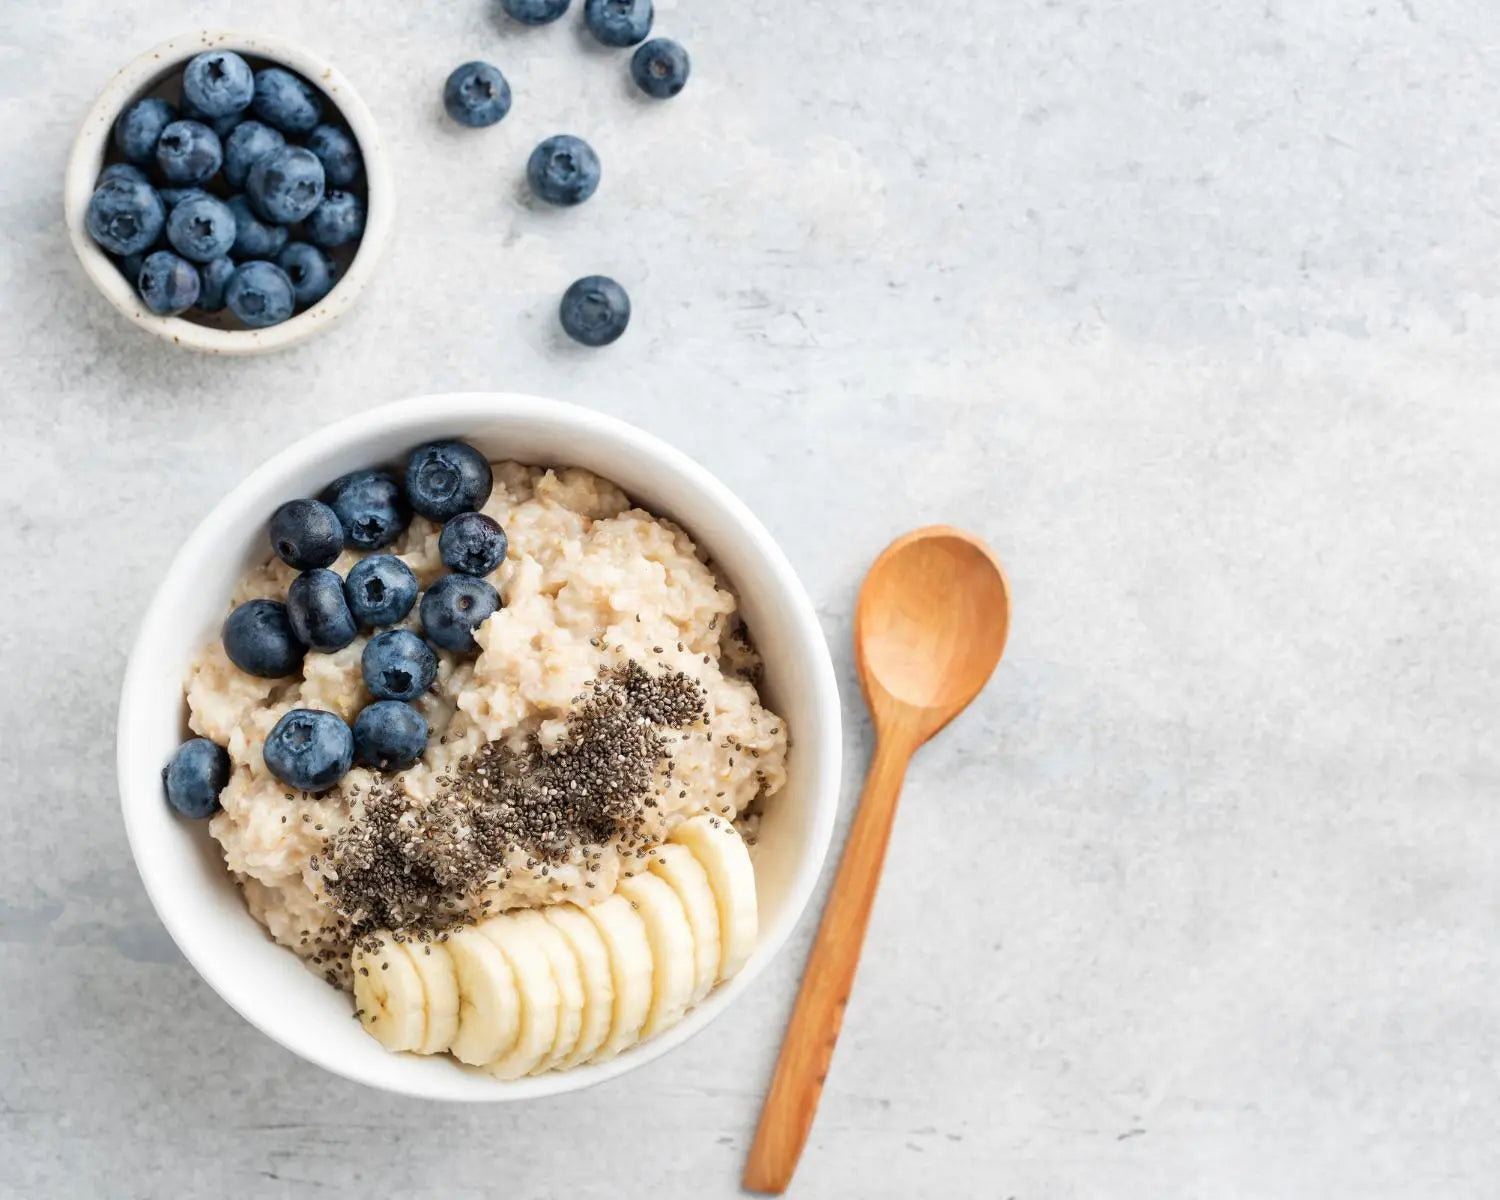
<point>182,866</point>
<point>138,78</point>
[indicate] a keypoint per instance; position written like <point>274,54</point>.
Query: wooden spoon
<point>929,630</point>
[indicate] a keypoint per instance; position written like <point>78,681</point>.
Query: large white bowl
<point>138,78</point>
<point>181,865</point>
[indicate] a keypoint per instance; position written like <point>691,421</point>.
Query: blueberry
<point>446,478</point>
<point>535,12</point>
<point>259,640</point>
<point>380,590</point>
<point>168,283</point>
<point>594,310</point>
<point>319,613</point>
<point>260,294</point>
<point>310,750</point>
<point>201,228</point>
<point>188,152</point>
<point>306,534</point>
<point>309,269</point>
<point>130,267</point>
<point>139,129</point>
<point>389,735</point>
<point>125,217</point>
<point>254,238</point>
<point>285,185</point>
<point>338,152</point>
<point>454,607</point>
<point>122,172</point>
<point>398,665</point>
<point>370,507</point>
<point>472,544</point>
<point>249,141</point>
<point>563,170</point>
<point>660,68</point>
<point>213,278</point>
<point>218,83</point>
<point>171,197</point>
<point>476,95</point>
<point>195,777</point>
<point>339,220</point>
<point>286,101</point>
<point>618,22</point>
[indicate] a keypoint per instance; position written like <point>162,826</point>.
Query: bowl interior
<point>158,73</point>
<point>182,866</point>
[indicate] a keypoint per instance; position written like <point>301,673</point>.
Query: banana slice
<point>569,981</point>
<point>718,847</point>
<point>538,991</point>
<point>630,969</point>
<point>440,987</point>
<point>672,957</point>
<point>489,1006</point>
<point>689,880</point>
<point>388,993</point>
<point>592,957</point>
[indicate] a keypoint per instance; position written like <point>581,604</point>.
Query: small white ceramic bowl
<point>139,78</point>
<point>182,866</point>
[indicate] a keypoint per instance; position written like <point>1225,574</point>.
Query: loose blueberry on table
<point>476,95</point>
<point>535,12</point>
<point>660,68</point>
<point>618,22</point>
<point>595,310</point>
<point>563,170</point>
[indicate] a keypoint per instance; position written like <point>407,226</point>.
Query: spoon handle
<point>792,1102</point>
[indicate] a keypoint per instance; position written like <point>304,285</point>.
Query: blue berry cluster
<point>564,170</point>
<point>362,512</point>
<point>234,198</point>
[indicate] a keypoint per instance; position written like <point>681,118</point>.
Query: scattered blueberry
<point>201,228</point>
<point>660,68</point>
<point>472,544</point>
<point>309,269</point>
<point>594,310</point>
<point>254,238</point>
<point>380,589</point>
<point>168,283</point>
<point>476,95</point>
<point>285,185</point>
<point>123,173</point>
<point>139,129</point>
<point>398,665</point>
<point>306,534</point>
<point>389,735</point>
<point>310,750</point>
<point>454,607</point>
<point>213,277</point>
<point>338,152</point>
<point>535,12</point>
<point>563,170</point>
<point>195,777</point>
<point>370,507</point>
<point>260,294</point>
<point>259,640</point>
<point>125,217</point>
<point>618,22</point>
<point>171,197</point>
<point>188,152</point>
<point>218,83</point>
<point>446,478</point>
<point>286,101</point>
<point>319,613</point>
<point>339,220</point>
<point>249,141</point>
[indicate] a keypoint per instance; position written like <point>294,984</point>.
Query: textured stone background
<point>1189,307</point>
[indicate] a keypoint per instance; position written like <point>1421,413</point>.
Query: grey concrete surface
<point>1189,307</point>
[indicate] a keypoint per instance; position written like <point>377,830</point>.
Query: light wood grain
<point>930,627</point>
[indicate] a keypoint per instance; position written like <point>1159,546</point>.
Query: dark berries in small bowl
<point>595,310</point>
<point>476,95</point>
<point>618,22</point>
<point>563,170</point>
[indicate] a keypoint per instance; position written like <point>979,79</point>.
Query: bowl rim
<point>421,415</point>
<point>91,145</point>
